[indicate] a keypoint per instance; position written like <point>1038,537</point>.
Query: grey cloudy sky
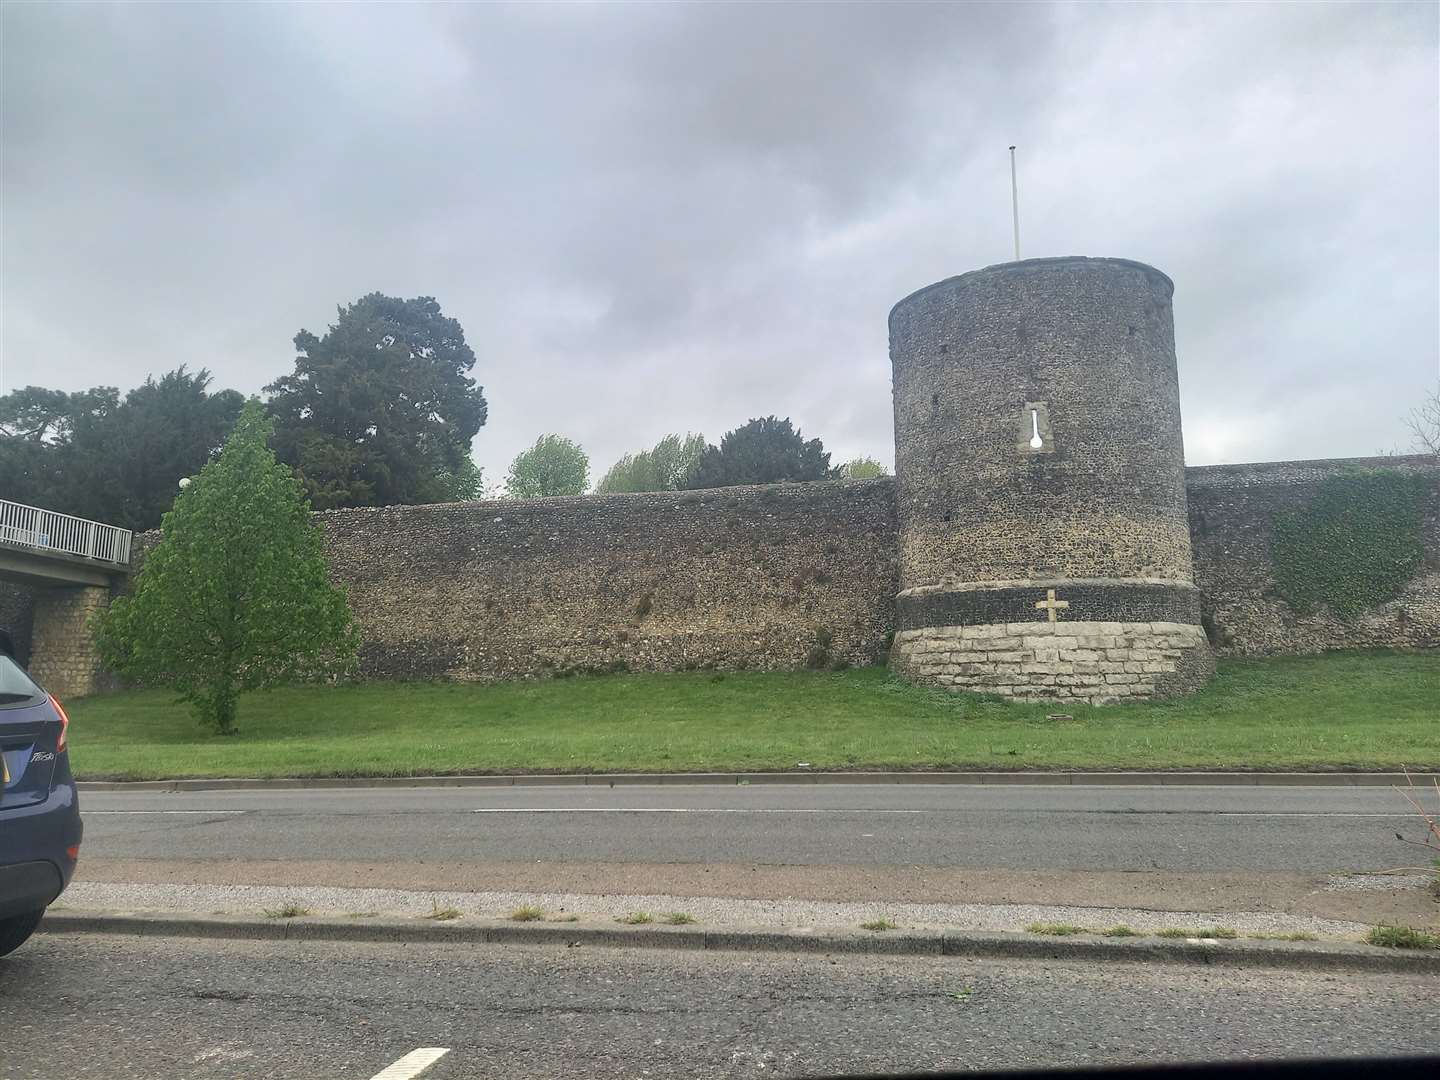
<point>656,218</point>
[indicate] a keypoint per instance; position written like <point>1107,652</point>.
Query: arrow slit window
<point>1034,435</point>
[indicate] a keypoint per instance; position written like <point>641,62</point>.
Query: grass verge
<point>1342,710</point>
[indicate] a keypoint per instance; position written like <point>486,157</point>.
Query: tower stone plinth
<point>1044,542</point>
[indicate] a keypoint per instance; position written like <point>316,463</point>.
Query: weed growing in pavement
<point>527,913</point>
<point>1402,937</point>
<point>285,911</point>
<point>442,914</point>
<point>963,994</point>
<point>1055,929</point>
<point>678,918</point>
<point>1201,932</point>
<point>1121,931</point>
<point>636,918</point>
<point>1289,935</point>
<point>879,925</point>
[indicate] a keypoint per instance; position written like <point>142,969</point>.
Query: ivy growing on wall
<point>1353,545</point>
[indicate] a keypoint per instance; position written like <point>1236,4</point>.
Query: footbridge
<point>60,571</point>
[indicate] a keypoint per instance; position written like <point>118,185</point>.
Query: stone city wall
<point>736,578</point>
<point>748,577</point>
<point>1233,511</point>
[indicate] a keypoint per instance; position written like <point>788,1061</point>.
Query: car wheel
<point>16,929</point>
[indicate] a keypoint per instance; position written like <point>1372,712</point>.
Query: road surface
<point>77,1006</point>
<point>1301,829</point>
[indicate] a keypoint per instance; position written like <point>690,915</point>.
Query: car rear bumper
<point>28,886</point>
<point>37,845</point>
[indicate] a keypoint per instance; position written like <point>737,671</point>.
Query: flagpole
<point>1015,202</point>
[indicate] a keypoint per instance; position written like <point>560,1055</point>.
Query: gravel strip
<point>712,911</point>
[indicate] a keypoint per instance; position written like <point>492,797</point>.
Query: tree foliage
<point>236,595</point>
<point>666,466</point>
<point>381,408</point>
<point>862,468</point>
<point>763,451</point>
<point>94,455</point>
<point>553,466</point>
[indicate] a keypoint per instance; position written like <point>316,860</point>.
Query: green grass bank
<point>1339,711</point>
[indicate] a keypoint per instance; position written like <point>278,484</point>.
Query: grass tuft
<point>678,918</point>
<point>1222,932</point>
<point>879,925</point>
<point>1402,937</point>
<point>1121,931</point>
<point>285,911</point>
<point>442,914</point>
<point>527,913</point>
<point>636,918</point>
<point>1054,929</point>
<point>1288,935</point>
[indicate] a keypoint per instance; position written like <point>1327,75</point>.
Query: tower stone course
<point>1044,541</point>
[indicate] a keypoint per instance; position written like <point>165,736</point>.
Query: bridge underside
<point>50,569</point>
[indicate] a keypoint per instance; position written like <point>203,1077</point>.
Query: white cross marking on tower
<point>1050,604</point>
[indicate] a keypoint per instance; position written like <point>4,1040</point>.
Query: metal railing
<point>45,530</point>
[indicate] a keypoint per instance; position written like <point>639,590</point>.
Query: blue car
<point>39,811</point>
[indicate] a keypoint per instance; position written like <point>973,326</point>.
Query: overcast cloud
<point>676,217</point>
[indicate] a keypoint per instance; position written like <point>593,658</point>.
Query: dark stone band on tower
<point>1085,601</point>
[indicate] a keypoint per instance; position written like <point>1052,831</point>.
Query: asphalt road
<point>115,1007</point>
<point>1302,829</point>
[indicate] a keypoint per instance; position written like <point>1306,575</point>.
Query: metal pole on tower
<point>1015,202</point>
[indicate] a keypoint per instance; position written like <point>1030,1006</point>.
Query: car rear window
<point>16,688</point>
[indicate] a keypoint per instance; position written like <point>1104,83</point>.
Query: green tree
<point>464,484</point>
<point>97,456</point>
<point>380,406</point>
<point>553,466</point>
<point>664,467</point>
<point>764,451</point>
<point>236,595</point>
<point>862,468</point>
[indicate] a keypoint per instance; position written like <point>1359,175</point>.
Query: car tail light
<point>64,723</point>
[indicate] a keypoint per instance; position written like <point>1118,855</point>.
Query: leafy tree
<point>764,451</point>
<point>553,466</point>
<point>381,406</point>
<point>664,467</point>
<point>236,594</point>
<point>118,461</point>
<point>862,468</point>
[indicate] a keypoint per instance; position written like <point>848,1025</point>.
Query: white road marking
<point>685,810</point>
<point>1295,813</point>
<point>836,810</point>
<point>412,1064</point>
<point>92,813</point>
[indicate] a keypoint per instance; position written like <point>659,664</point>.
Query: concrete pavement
<point>81,1006</point>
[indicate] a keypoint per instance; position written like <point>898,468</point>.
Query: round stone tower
<point>1044,544</point>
